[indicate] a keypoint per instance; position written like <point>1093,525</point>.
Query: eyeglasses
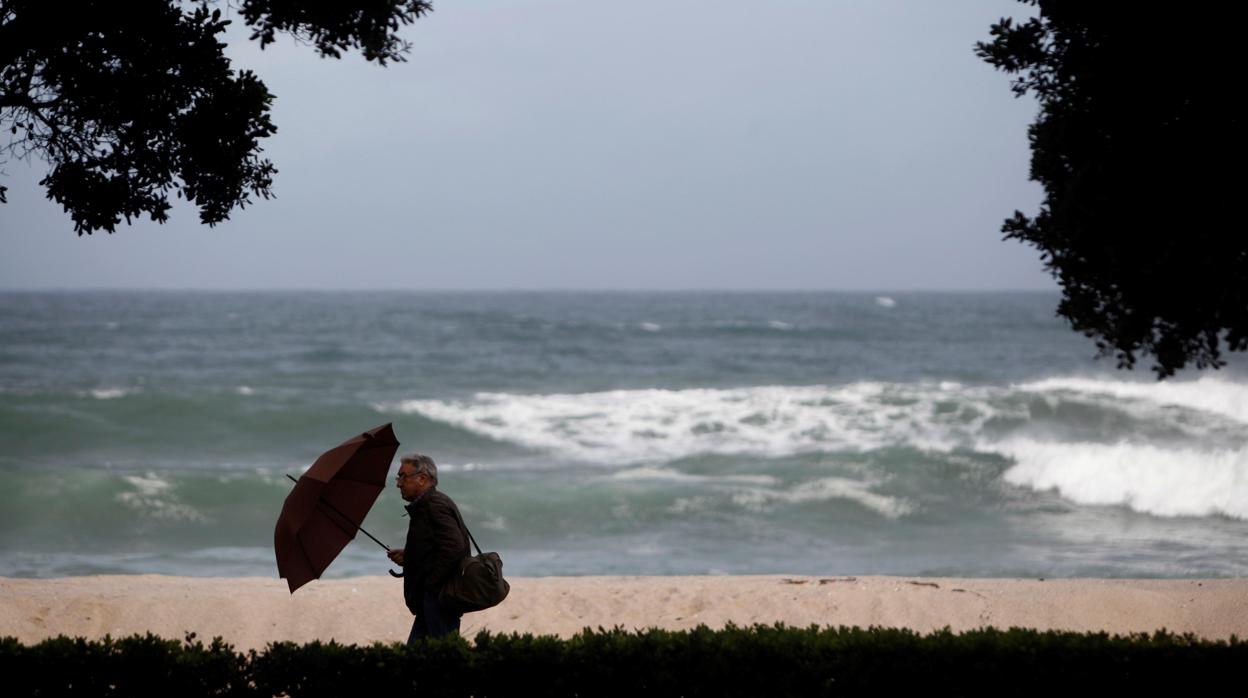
<point>403,476</point>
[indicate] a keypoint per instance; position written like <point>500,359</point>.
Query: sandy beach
<point>250,612</point>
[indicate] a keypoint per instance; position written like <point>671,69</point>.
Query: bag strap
<point>465,527</point>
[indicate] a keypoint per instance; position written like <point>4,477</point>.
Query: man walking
<point>436,542</point>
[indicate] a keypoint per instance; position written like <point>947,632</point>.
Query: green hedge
<point>759,661</point>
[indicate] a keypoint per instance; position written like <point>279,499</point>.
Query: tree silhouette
<point>129,101</point>
<point>1140,152</point>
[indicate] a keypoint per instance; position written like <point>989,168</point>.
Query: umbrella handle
<point>395,574</point>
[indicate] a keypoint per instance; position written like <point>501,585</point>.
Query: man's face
<point>409,483</point>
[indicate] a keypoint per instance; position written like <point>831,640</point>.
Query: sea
<point>698,433</point>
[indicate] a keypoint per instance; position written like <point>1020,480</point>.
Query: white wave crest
<point>153,498</point>
<point>462,467</point>
<point>637,426</point>
<point>1212,394</point>
<point>111,393</point>
<point>826,489</point>
<point>684,506</point>
<point>1167,449</point>
<point>885,302</point>
<point>1150,479</point>
<point>676,476</point>
<point>767,490</point>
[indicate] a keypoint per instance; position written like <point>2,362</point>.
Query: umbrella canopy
<point>328,503</point>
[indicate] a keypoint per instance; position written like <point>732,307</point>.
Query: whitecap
<point>111,393</point>
<point>653,426</point>
<point>1152,479</point>
<point>148,486</point>
<point>826,489</point>
<point>461,467</point>
<point>650,326</point>
<point>1212,394</point>
<point>885,302</point>
<point>624,427</point>
<point>153,498</point>
<point>689,505</point>
<point>650,473</point>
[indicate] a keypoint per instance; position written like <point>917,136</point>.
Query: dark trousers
<point>433,620</point>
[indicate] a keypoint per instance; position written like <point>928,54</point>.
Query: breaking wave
<point>1168,449</point>
<point>1159,481</point>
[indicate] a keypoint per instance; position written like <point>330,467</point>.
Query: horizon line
<point>175,289</point>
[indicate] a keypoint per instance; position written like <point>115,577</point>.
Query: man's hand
<point>396,555</point>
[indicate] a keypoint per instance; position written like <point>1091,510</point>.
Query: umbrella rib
<point>335,521</point>
<point>306,558</point>
<point>357,527</point>
<point>322,500</point>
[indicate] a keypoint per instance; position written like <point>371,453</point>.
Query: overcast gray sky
<point>528,144</point>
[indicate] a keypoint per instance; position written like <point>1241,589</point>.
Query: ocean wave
<point>637,426</point>
<point>624,427</point>
<point>676,476</point>
<point>764,493</point>
<point>826,489</point>
<point>1169,449</point>
<point>111,393</point>
<point>153,498</point>
<point>1176,481</point>
<point>748,325</point>
<point>1211,394</point>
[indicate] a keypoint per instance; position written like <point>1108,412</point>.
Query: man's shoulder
<point>439,499</point>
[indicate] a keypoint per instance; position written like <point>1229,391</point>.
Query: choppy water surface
<point>950,434</point>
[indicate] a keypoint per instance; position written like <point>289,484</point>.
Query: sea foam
<point>1149,479</point>
<point>153,498</point>
<point>624,427</point>
<point>1211,394</point>
<point>637,426</point>
<point>826,489</point>
<point>1125,464</point>
<point>111,393</point>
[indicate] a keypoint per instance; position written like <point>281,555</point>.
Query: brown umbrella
<point>324,510</point>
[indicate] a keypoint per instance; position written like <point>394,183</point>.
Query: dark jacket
<point>436,542</point>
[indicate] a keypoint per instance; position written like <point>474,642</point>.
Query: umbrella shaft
<point>334,509</point>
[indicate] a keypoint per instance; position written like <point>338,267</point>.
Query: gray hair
<point>424,464</point>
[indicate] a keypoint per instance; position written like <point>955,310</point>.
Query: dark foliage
<point>1139,149</point>
<point>132,666</point>
<point>129,101</point>
<point>759,661</point>
<point>329,670</point>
